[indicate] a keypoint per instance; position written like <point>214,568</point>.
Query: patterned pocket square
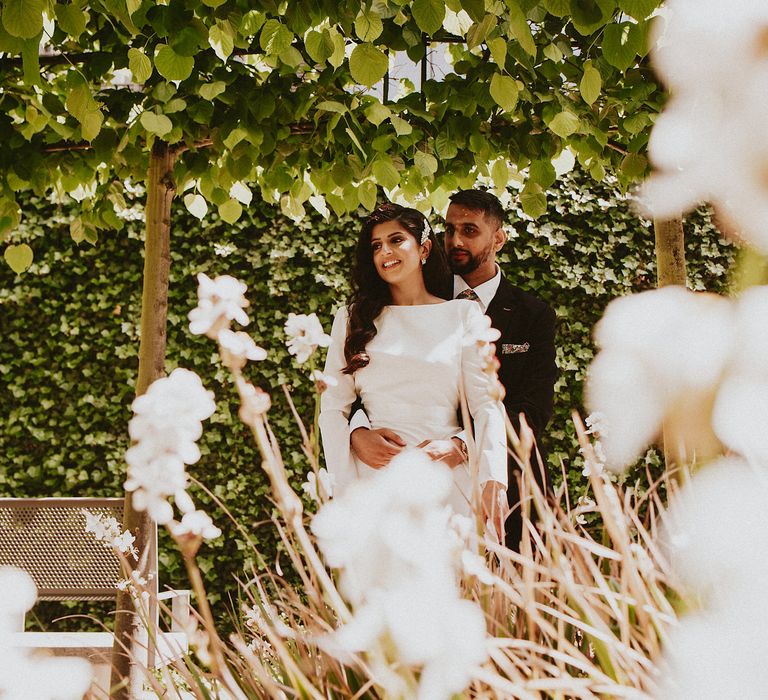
<point>511,348</point>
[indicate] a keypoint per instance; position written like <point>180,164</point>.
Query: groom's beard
<point>462,262</point>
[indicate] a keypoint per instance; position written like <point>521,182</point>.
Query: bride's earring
<point>423,261</point>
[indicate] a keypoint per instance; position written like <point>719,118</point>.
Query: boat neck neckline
<point>417,306</point>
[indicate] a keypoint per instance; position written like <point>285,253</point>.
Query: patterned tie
<point>468,293</point>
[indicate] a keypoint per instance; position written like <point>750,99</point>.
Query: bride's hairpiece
<point>424,233</point>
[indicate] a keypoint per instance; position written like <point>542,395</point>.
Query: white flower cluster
<point>24,675</point>
<point>166,424</point>
<point>717,537</point>
<point>305,334</point>
<point>324,480</point>
<point>390,537</point>
<point>106,529</point>
<point>220,301</point>
<point>695,362</point>
<point>710,142</point>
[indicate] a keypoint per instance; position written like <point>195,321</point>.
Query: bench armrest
<point>180,608</point>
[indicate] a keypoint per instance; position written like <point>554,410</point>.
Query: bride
<point>408,354</point>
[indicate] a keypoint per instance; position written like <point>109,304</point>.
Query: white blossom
<point>197,523</point>
<point>237,348</point>
<point>305,334</point>
<point>166,424</point>
<point>392,539</point>
<point>220,301</point>
<point>709,143</point>
<point>25,675</point>
<point>326,481</point>
<point>323,381</point>
<point>255,403</point>
<point>106,529</point>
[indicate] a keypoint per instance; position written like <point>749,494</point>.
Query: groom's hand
<point>495,506</point>
<point>376,447</point>
<point>446,451</point>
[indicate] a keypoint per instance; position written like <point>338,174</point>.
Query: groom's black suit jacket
<point>526,353</point>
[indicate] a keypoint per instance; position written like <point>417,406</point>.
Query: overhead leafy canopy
<point>277,95</point>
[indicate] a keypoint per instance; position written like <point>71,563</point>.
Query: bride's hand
<point>495,506</point>
<point>377,447</point>
<point>446,451</point>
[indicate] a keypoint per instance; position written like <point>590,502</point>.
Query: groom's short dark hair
<point>480,200</point>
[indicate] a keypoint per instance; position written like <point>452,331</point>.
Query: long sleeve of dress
<point>486,409</point>
<point>335,405</point>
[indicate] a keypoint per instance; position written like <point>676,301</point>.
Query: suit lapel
<point>501,310</point>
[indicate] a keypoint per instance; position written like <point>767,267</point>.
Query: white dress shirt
<point>485,291</point>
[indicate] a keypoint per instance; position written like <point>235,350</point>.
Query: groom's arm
<point>377,447</point>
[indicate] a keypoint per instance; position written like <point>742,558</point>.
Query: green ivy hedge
<point>68,351</point>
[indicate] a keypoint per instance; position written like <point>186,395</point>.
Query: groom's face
<point>471,240</point>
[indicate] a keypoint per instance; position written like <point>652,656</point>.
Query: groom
<point>474,234</point>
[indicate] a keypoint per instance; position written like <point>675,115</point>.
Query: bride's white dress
<point>420,359</point>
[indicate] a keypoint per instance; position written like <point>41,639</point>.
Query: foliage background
<point>69,342</point>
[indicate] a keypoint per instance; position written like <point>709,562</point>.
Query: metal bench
<point>47,538</point>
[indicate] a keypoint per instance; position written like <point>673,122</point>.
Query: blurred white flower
<point>326,481</point>
<point>196,523</point>
<point>661,355</point>
<point>24,675</point>
<point>480,331</point>
<point>322,381</point>
<point>305,334</point>
<point>220,301</point>
<point>392,537</point>
<point>106,529</point>
<point>237,348</point>
<point>255,403</point>
<point>716,537</point>
<point>166,424</point>
<point>710,143</point>
<point>596,423</point>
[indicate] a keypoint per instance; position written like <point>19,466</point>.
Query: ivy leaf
<point>172,66</point>
<point>18,257</point>
<point>520,29</point>
<point>23,18</point>
<point>230,211</point>
<point>591,83</point>
<point>533,200</point>
<point>275,37</point>
<point>368,25</point>
<point>639,9</point>
<point>71,19</point>
<point>621,44</point>
<point>564,124</point>
<point>221,37</point>
<point>377,113</point>
<point>366,195</point>
<point>498,49</point>
<point>504,91</point>
<point>196,205</point>
<point>429,15</point>
<point>140,65</point>
<point>368,64</point>
<point>157,124</point>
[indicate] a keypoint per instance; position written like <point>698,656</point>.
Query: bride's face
<point>396,253</point>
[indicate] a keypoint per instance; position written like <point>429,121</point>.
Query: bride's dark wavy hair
<point>370,293</point>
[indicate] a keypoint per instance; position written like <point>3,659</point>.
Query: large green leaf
<point>71,19</point>
<point>23,18</point>
<point>172,66</point>
<point>591,83</point>
<point>319,45</point>
<point>520,30</point>
<point>275,37</point>
<point>368,64</point>
<point>639,9</point>
<point>504,91</point>
<point>429,15</point>
<point>157,124</point>
<point>140,65</point>
<point>368,25</point>
<point>533,200</point>
<point>621,44</point>
<point>498,49</point>
<point>564,124</point>
<point>18,257</point>
<point>385,173</point>
<point>221,37</point>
